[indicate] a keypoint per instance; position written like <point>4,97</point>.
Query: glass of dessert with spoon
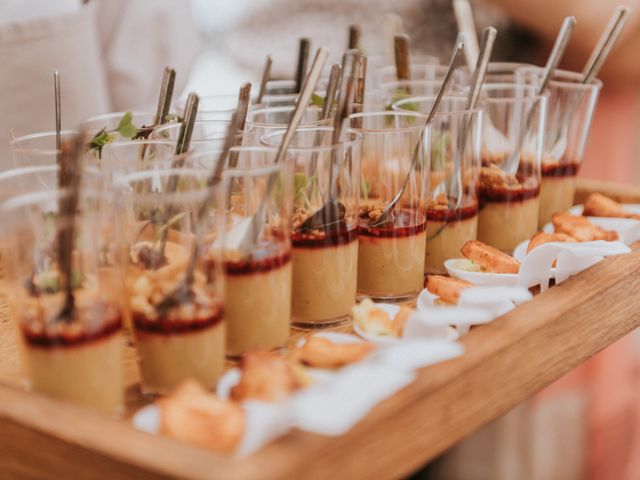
<point>455,138</point>
<point>509,185</point>
<point>257,264</point>
<point>391,243</point>
<point>569,113</point>
<point>174,292</point>
<point>64,271</point>
<point>324,246</point>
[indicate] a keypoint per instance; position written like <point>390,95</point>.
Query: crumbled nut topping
<point>441,202</point>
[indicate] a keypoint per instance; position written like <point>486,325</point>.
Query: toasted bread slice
<point>544,237</point>
<point>489,258</point>
<point>266,376</point>
<point>447,288</point>
<point>194,416</point>
<point>323,353</point>
<point>371,319</point>
<point>581,228</point>
<point>598,205</point>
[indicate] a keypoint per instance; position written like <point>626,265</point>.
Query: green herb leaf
<point>365,188</point>
<point>317,100</point>
<point>126,128</point>
<point>100,140</point>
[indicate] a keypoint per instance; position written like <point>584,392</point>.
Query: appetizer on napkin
<point>581,228</point>
<point>598,205</point>
<point>373,320</point>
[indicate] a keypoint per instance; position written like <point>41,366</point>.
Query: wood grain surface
<point>505,362</point>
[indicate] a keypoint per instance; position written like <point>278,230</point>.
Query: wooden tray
<point>505,362</point>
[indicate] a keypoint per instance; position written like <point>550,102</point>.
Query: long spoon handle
<point>466,26</point>
<point>605,44</point>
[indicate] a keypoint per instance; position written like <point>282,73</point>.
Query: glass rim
<point>36,135</point>
<point>566,83</point>
<point>19,171</point>
<point>357,137</point>
<point>106,116</point>
<point>211,121</point>
<point>38,196</point>
<point>505,65</point>
<point>260,108</point>
<point>401,113</point>
<point>439,113</point>
<point>236,171</point>
<point>536,97</point>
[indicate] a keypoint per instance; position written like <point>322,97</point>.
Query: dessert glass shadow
<point>66,307</point>
<point>175,289</point>
<point>569,113</point>
<point>324,239</point>
<point>509,190</point>
<point>455,139</point>
<point>391,247</point>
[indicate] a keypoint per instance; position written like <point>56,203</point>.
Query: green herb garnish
<point>125,129</point>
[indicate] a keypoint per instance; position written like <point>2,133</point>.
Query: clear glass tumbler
<point>509,191</point>
<point>455,139</point>
<point>569,114</point>
<point>70,339</point>
<point>174,285</point>
<point>391,247</point>
<point>324,239</point>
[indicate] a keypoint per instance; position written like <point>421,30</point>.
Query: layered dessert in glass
<point>569,113</point>
<point>67,312</point>
<point>391,244</point>
<point>324,232</point>
<point>509,185</point>
<point>177,318</point>
<point>257,273</point>
<point>454,147</point>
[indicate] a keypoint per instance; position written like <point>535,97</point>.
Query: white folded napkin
<point>572,258</point>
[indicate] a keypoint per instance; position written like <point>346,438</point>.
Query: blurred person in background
<point>587,424</point>
<point>110,55</point>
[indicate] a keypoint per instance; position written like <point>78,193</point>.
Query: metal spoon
<point>241,113</point>
<point>245,234</point>
<point>401,49</point>
<point>303,60</point>
<point>333,211</point>
<point>58,113</point>
<point>594,64</point>
<point>562,40</point>
<point>69,183</point>
<point>183,293</point>
<point>182,146</point>
<point>493,139</point>
<point>355,31</point>
<point>388,210</point>
<point>466,25</point>
<point>266,73</point>
<point>479,74</point>
<point>166,94</point>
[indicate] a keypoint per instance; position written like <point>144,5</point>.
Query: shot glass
<point>70,340</point>
<point>37,149</point>
<point>569,114</point>
<point>324,239</point>
<point>455,139</point>
<point>264,120</point>
<point>257,261</point>
<point>391,247</point>
<point>174,285</point>
<point>509,190</point>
